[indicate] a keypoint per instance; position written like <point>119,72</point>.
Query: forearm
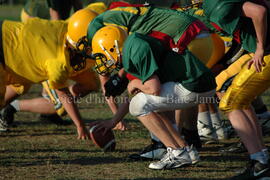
<point>111,103</point>
<point>121,112</point>
<point>71,108</point>
<point>79,90</point>
<point>258,14</point>
<point>261,29</point>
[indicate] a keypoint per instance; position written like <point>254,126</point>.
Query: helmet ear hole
<point>111,49</point>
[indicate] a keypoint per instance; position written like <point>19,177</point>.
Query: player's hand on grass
<point>83,133</point>
<point>257,60</point>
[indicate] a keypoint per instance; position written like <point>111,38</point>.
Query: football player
<point>41,54</point>
<point>157,83</point>
<point>210,126</point>
<point>248,22</point>
<point>85,82</point>
<point>180,30</point>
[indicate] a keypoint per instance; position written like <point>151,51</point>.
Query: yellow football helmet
<point>77,43</point>
<point>107,45</point>
<point>191,4</point>
<point>77,28</point>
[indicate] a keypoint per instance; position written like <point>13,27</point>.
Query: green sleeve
<point>139,59</point>
<point>120,17</point>
<point>226,14</point>
<point>94,26</point>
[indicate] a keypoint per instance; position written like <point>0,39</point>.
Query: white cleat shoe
<point>172,159</point>
<point>206,132</point>
<point>193,154</point>
<point>220,132</point>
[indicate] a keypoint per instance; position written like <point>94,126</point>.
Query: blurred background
<point>11,9</point>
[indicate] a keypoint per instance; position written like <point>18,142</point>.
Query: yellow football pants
<point>231,71</point>
<point>245,87</point>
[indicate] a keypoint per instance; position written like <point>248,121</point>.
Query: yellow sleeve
<point>57,74</point>
<point>98,7</point>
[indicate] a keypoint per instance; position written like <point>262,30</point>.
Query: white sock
<point>259,156</point>
<point>15,104</point>
<point>266,153</point>
<point>215,118</point>
<point>204,118</point>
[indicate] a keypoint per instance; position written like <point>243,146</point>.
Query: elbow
<point>261,10</point>
<point>154,92</point>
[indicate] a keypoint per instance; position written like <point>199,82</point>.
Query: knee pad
<point>139,105</point>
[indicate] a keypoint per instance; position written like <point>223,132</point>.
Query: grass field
<point>36,150</point>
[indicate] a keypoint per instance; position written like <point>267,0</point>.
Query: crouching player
<point>176,29</point>
<point>31,53</point>
<point>162,80</point>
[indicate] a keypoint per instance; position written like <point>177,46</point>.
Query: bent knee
<point>139,105</point>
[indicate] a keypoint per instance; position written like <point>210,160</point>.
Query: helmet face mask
<point>102,65</point>
<point>83,46</point>
<point>77,59</point>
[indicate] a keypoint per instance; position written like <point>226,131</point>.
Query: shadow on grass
<point>160,178</point>
<point>51,150</point>
<point>128,120</point>
<point>15,133</point>
<point>55,160</point>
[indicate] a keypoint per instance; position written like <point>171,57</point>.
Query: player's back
<point>29,47</point>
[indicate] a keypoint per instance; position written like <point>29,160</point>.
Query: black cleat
<point>192,138</point>
<point>7,114</point>
<point>254,170</point>
<point>234,148</point>
<point>3,125</point>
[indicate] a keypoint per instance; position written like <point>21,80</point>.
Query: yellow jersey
<point>35,51</point>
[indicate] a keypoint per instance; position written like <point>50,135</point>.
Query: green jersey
<point>144,56</point>
<point>143,20</point>
<point>228,15</point>
<point>37,8</point>
<point>199,14</point>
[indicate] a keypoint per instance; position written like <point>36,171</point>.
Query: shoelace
<point>168,155</point>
